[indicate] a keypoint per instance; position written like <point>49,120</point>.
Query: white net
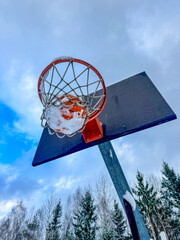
<point>70,93</point>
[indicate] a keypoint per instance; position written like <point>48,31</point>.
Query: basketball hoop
<point>73,94</point>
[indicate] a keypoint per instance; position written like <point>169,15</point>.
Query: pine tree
<point>108,234</point>
<point>163,212</point>
<point>171,185</point>
<point>164,218</point>
<point>85,219</point>
<point>53,229</point>
<point>146,201</point>
<point>68,235</point>
<point>120,223</point>
<point>170,191</point>
<point>33,228</point>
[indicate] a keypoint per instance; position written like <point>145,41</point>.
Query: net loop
<point>71,91</point>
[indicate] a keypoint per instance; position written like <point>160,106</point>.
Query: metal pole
<point>137,226</point>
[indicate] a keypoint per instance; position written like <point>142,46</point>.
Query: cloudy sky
<point>121,39</point>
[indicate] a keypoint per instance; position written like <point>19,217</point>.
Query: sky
<point>121,39</point>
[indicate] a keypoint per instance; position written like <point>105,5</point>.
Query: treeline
<point>88,214</point>
<point>96,214</point>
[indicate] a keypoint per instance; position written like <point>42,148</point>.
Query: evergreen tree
<point>67,228</point>
<point>53,229</point>
<point>108,234</point>
<point>164,219</point>
<point>33,228</point>
<point>146,201</point>
<point>170,191</point>
<point>163,212</point>
<point>171,185</point>
<point>85,219</point>
<point>106,226</point>
<point>120,224</point>
<point>68,235</point>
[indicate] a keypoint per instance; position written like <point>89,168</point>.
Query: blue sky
<point>121,39</point>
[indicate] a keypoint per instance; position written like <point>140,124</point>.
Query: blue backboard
<point>132,105</point>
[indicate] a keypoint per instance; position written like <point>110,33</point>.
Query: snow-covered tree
<point>170,191</point>
<point>120,224</point>
<point>54,226</point>
<point>105,196</point>
<point>33,227</point>
<point>146,199</point>
<point>11,226</point>
<point>171,186</point>
<point>85,219</point>
<point>163,212</point>
<point>67,227</point>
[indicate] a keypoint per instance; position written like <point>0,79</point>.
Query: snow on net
<point>56,119</point>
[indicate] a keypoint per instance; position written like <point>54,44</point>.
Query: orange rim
<point>103,102</point>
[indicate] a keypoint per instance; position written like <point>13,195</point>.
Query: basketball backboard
<point>132,105</point>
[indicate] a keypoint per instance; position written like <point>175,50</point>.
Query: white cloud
<point>124,151</point>
<point>7,170</point>
<point>19,92</point>
<point>65,183</point>
<point>155,31</point>
<point>8,174</point>
<point>11,177</point>
<point>40,181</point>
<point>5,207</point>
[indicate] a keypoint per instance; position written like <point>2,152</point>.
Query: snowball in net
<point>64,120</point>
